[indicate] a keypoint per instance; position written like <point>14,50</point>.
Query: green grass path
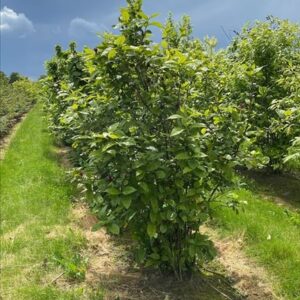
<point>35,216</point>
<point>272,236</point>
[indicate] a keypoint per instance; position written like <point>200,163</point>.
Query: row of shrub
<point>158,129</point>
<point>18,94</point>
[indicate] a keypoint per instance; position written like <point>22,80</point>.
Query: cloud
<point>14,23</point>
<point>81,28</point>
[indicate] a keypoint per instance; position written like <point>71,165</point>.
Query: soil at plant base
<point>111,266</point>
<point>5,141</point>
<point>250,279</point>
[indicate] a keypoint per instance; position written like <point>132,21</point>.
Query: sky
<point>31,28</point>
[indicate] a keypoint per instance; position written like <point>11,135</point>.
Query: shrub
<point>155,131</point>
<point>271,95</point>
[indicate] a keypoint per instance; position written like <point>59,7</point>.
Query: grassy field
<point>272,237</point>
<point>37,240</point>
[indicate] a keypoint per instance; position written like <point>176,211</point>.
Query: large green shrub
<point>155,132</point>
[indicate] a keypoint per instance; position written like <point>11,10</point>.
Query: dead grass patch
<point>111,267</point>
<point>251,279</point>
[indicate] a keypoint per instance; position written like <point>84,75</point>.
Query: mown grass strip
<point>37,239</point>
<point>272,236</point>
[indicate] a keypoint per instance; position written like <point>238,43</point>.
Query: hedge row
<point>158,129</point>
<point>16,99</point>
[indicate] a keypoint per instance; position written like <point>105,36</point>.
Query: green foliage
<point>293,157</point>
<point>155,131</point>
<point>16,99</point>
<point>267,56</point>
<point>14,76</point>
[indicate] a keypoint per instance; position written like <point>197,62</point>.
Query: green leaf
<point>129,190</point>
<point>163,228</point>
<point>126,201</point>
<point>182,156</point>
<point>112,53</point>
<point>288,113</point>
<point>187,170</point>
<point>112,191</point>
<point>157,24</point>
<point>141,253</point>
<point>174,117</point>
<point>176,131</point>
<point>203,130</point>
<point>120,40</point>
<point>164,44</point>
<point>75,106</point>
<point>145,187</point>
<point>160,174</point>
<point>125,15</point>
<point>154,204</point>
<point>216,120</point>
<point>114,135</point>
<point>151,230</point>
<point>114,229</point>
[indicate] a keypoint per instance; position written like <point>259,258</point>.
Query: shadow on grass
<point>282,188</point>
<point>151,285</point>
<point>59,154</point>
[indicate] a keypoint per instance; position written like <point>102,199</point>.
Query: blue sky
<point>31,28</point>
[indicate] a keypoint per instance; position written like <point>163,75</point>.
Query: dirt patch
<point>251,279</point>
<point>6,140</point>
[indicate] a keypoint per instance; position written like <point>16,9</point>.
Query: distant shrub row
<point>18,94</point>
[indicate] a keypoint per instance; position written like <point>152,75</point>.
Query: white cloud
<point>12,22</point>
<point>80,27</point>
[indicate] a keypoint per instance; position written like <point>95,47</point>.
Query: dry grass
<point>111,267</point>
<point>250,278</point>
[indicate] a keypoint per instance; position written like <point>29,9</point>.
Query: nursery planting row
<point>159,128</point>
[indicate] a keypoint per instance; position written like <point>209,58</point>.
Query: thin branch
<point>56,278</point>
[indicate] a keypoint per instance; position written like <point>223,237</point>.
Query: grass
<point>272,237</point>
<point>37,239</point>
